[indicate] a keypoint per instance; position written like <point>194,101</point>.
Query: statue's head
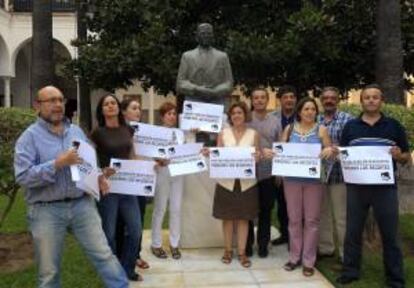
<point>205,35</point>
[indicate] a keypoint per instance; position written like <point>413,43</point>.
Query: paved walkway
<point>202,268</point>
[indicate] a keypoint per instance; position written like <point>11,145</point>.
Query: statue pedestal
<point>199,229</point>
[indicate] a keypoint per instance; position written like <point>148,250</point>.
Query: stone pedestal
<point>198,227</point>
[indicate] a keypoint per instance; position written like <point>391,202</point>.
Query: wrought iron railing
<point>57,5</point>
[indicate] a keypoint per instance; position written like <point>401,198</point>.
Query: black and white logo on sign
<point>188,107</point>
<point>385,176</point>
<point>117,165</point>
<point>248,172</point>
<point>313,171</point>
<point>161,151</point>
<point>279,149</point>
<point>344,154</point>
<point>200,165</point>
<point>215,153</point>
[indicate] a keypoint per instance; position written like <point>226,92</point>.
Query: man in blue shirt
<point>43,155</point>
<point>333,210</point>
<point>374,128</point>
<point>287,96</point>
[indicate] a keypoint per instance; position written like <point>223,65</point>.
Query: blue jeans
<point>49,223</point>
<point>125,206</point>
<point>384,201</point>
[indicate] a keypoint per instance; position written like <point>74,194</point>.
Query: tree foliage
<point>305,43</point>
<point>13,121</point>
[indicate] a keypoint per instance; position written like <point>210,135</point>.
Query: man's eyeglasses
<point>54,101</point>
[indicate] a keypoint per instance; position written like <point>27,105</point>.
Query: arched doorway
<point>21,83</point>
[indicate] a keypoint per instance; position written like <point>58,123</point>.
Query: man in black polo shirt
<point>374,128</point>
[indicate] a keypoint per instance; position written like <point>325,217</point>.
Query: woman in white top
<point>235,200</point>
<point>168,189</point>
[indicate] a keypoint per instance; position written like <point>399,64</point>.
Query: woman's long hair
<point>100,118</point>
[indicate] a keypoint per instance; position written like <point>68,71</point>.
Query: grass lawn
<point>78,272</point>
<point>372,268</point>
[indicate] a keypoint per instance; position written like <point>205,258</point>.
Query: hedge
<point>13,121</point>
<point>401,113</point>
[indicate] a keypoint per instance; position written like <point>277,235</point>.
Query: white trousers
<point>168,190</point>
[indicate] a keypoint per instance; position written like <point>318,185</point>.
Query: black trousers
<point>384,201</point>
<point>266,189</point>
<point>282,214</point>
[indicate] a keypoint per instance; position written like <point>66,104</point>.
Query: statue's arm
<point>183,85</point>
<point>226,87</point>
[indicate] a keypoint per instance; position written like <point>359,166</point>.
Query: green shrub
<point>399,112</point>
<point>13,121</point>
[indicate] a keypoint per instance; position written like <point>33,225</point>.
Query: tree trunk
<point>42,46</point>
<point>389,53</point>
<point>85,115</point>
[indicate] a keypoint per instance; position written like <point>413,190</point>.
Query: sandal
<point>175,253</point>
<point>142,264</point>
<point>244,261</point>
<point>227,256</point>
<point>290,266</point>
<point>159,253</point>
<point>308,271</point>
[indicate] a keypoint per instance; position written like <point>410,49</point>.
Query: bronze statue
<point>205,73</point>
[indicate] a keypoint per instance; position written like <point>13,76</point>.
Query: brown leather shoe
<point>159,253</point>
<point>227,257</point>
<point>290,266</point>
<point>244,261</point>
<point>142,264</point>
<point>175,253</point>
<point>308,271</point>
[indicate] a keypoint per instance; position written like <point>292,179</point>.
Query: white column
<point>6,5</point>
<point>151,93</point>
<point>7,99</point>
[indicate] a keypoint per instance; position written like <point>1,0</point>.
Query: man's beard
<point>330,110</point>
<point>52,121</point>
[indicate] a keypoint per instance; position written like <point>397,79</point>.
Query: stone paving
<point>202,268</point>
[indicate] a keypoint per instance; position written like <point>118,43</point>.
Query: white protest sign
<point>154,141</point>
<point>187,159</point>
<point>232,162</point>
<point>367,165</point>
<point>90,184</point>
<point>297,160</point>
<point>133,177</point>
<point>204,116</point>
<point>86,174</point>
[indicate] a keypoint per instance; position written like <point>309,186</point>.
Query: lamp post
<point>76,116</point>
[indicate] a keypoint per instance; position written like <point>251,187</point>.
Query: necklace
<point>303,135</point>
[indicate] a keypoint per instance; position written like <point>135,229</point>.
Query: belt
<point>64,200</point>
